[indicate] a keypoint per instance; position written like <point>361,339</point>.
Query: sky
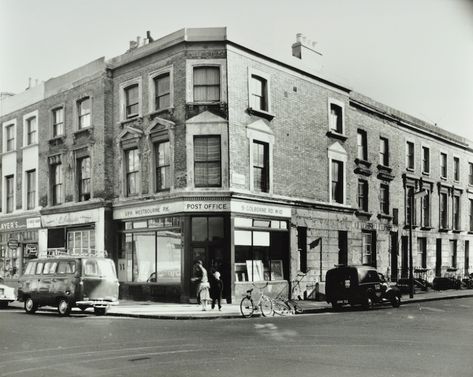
<point>413,55</point>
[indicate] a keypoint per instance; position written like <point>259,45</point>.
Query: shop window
<point>151,257</point>
<point>30,189</point>
<point>163,165</point>
<point>83,178</point>
<point>206,84</point>
<point>207,161</point>
<point>58,121</point>
<point>261,255</point>
<point>383,151</point>
<point>81,241</point>
<point>83,111</point>
<point>207,229</point>
<point>132,170</point>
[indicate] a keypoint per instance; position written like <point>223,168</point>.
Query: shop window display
<point>261,254</point>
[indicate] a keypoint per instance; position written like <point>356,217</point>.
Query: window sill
<point>443,178</point>
<point>363,171</point>
<point>261,113</point>
<point>124,122</point>
<point>336,135</point>
<point>9,152</point>
<point>385,176</point>
<point>168,110</point>
<point>384,168</point>
<point>426,173</point>
<point>410,170</point>
<point>57,140</point>
<point>385,216</point>
<point>414,226</point>
<point>361,213</point>
<point>359,161</point>
<point>83,131</point>
<point>426,228</point>
<point>456,230</point>
<point>30,146</point>
<point>444,230</point>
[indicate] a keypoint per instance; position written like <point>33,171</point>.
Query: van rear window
<point>39,267</point>
<point>99,268</point>
<point>49,267</point>
<point>66,267</point>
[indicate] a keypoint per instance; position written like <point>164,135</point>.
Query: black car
<point>359,285</point>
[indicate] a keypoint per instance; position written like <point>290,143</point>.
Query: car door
<point>99,279</point>
<point>63,281</point>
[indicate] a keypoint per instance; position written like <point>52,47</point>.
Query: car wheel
<point>3,304</point>
<point>63,307</point>
<point>100,311</point>
<point>396,302</point>
<point>368,303</point>
<point>30,306</point>
<point>336,305</point>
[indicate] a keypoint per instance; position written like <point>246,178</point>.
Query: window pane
<point>169,257</point>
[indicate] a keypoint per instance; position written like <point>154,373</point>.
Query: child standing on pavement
<point>216,288</point>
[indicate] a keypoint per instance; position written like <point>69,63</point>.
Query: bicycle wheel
<point>266,306</point>
<point>247,307</point>
<point>281,308</point>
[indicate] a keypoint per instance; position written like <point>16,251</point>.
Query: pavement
<point>161,310</point>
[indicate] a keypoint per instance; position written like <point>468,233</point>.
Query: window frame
<point>336,152</point>
<point>28,192</point>
<point>456,211</point>
<point>362,196</point>
<point>27,118</point>
<point>341,106</point>
<point>428,223</point>
<point>410,166</point>
<point>384,201</point>
<point>56,184</point>
<point>81,116</point>
<point>384,156</point>
<point>443,220</point>
<point>365,247</point>
<point>425,148</point>
<point>191,64</point>
<point>80,180</point>
<point>442,168</point>
<point>168,70</point>
<point>55,124</point>
<point>456,168</point>
<point>265,168</point>
<point>128,173</point>
<point>265,79</point>
<point>9,145</point>
<point>123,99</point>
<point>362,144</point>
<point>10,194</point>
<point>158,167</point>
<point>207,161</point>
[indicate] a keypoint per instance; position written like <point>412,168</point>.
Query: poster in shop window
<point>255,269</point>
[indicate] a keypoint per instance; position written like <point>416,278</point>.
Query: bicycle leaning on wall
<point>264,304</point>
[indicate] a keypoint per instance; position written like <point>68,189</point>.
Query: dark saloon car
<point>359,285</point>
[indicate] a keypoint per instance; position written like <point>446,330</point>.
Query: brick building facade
<point>196,147</point>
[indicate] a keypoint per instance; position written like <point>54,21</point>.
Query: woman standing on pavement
<point>203,285</point>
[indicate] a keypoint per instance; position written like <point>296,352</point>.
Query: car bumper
<point>97,303</point>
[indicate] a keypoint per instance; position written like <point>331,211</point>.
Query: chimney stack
<point>306,50</point>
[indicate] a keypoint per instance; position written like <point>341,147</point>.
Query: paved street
<point>432,338</point>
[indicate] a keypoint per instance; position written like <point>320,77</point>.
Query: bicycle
<point>264,303</point>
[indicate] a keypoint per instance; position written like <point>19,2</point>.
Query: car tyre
<point>30,306</point>
<point>100,311</point>
<point>396,301</point>
<point>63,307</point>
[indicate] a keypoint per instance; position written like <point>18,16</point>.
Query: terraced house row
<point>193,146</point>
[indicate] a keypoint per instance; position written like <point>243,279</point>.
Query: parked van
<point>69,281</point>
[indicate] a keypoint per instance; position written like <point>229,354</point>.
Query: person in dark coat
<point>216,289</point>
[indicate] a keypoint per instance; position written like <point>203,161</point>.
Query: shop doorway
<point>208,245</point>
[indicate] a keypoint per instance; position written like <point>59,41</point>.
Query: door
<point>405,257</point>
<point>394,256</point>
<point>343,247</point>
<point>438,258</point>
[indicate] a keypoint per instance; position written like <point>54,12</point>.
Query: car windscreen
<point>98,268</point>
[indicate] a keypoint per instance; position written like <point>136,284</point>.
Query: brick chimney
<point>306,50</point>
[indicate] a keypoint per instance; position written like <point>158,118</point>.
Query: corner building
<point>265,170</point>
